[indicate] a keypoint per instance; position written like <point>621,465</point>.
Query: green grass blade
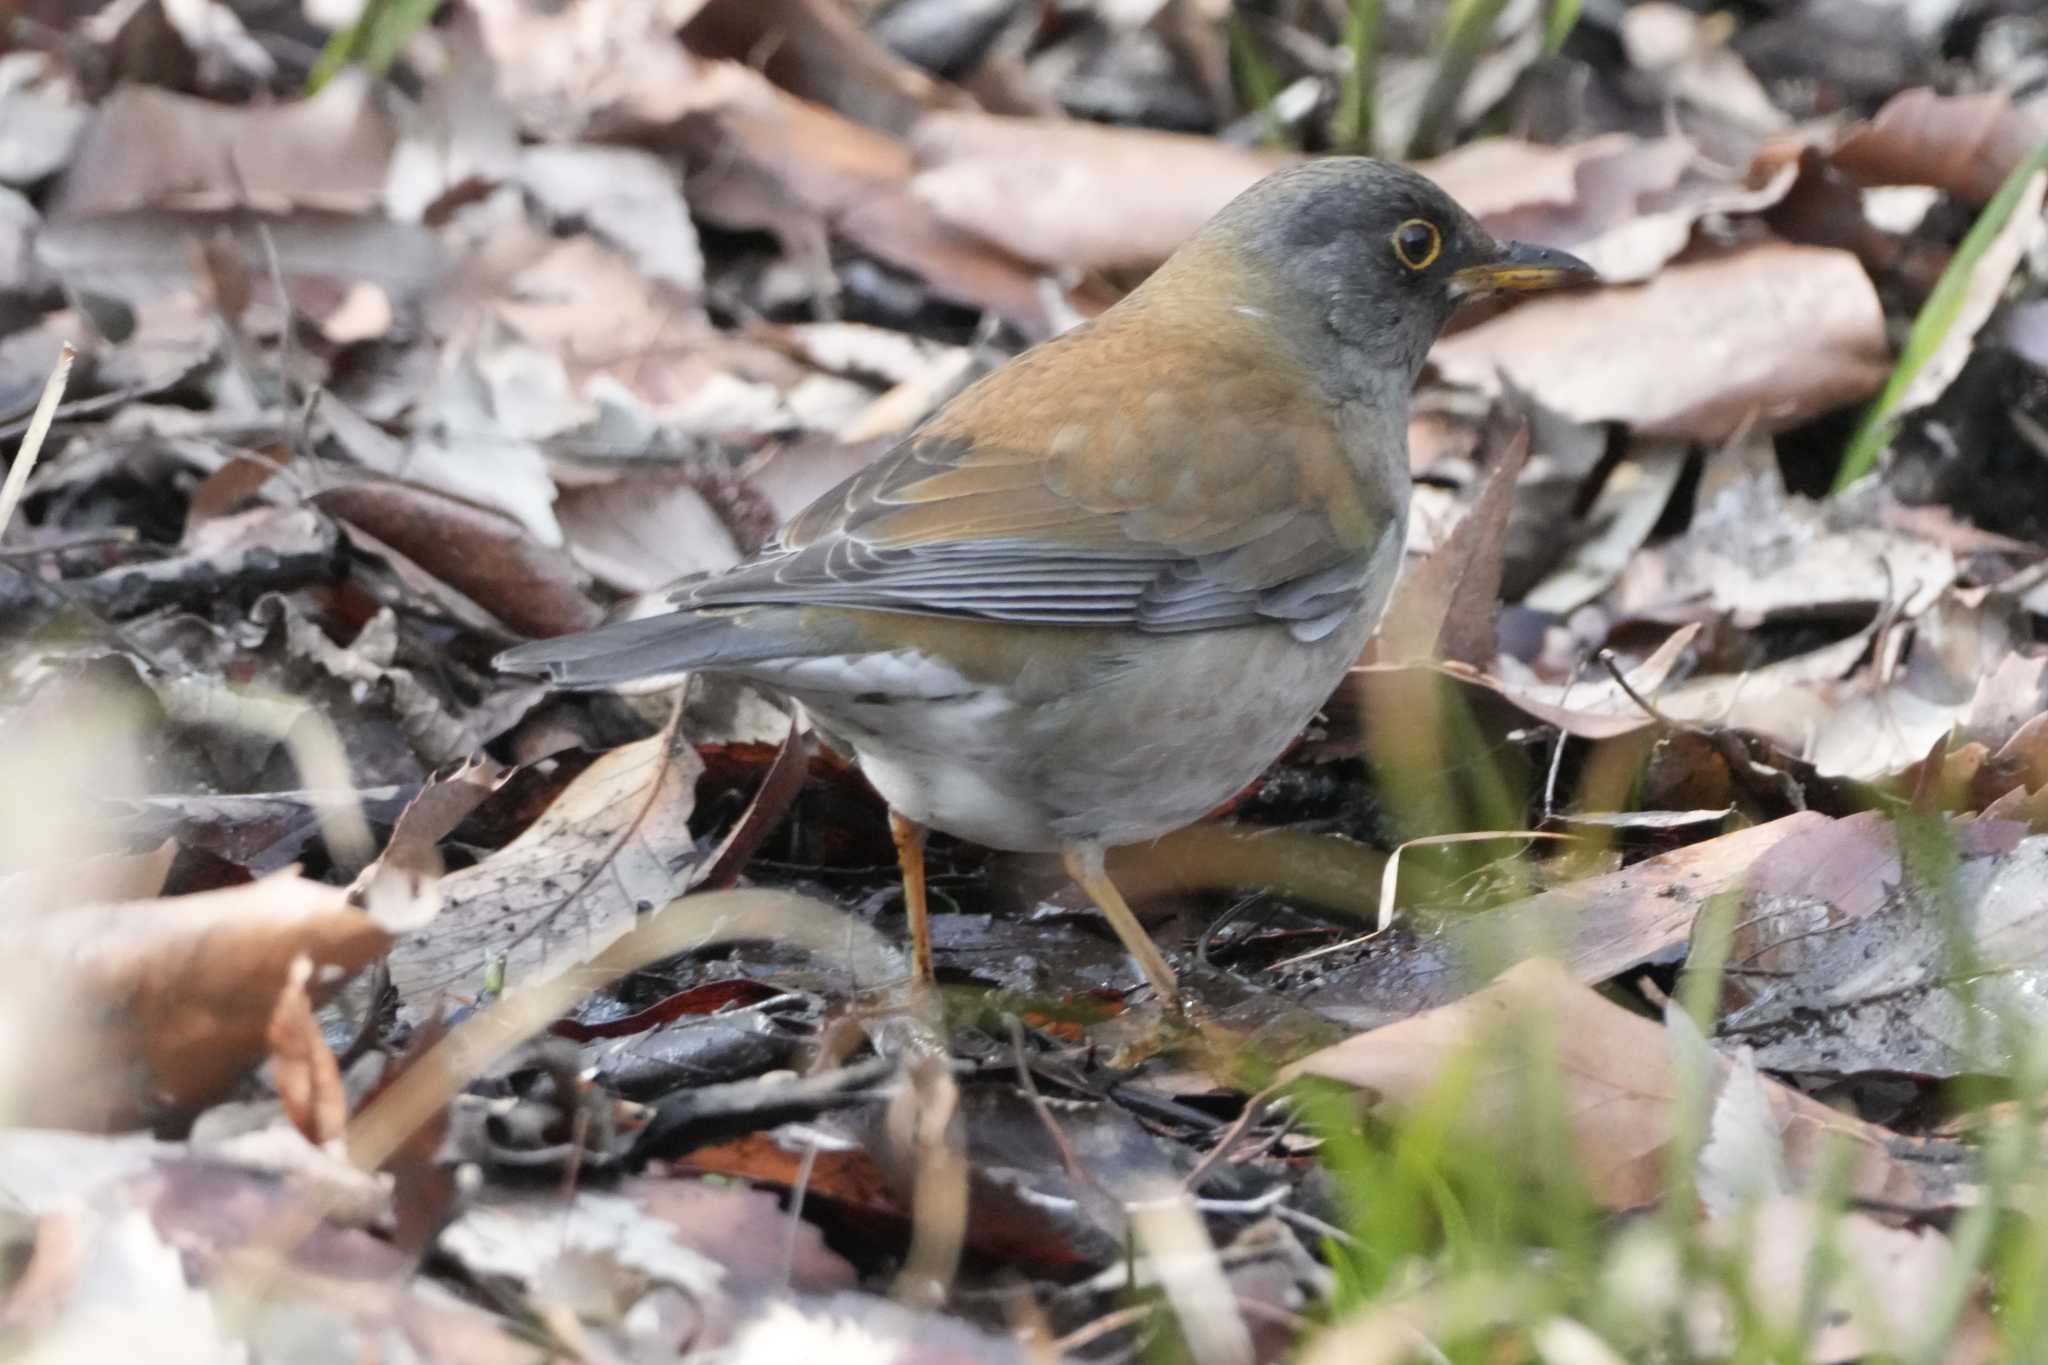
<point>1936,316</point>
<point>1558,26</point>
<point>373,40</point>
<point>1467,31</point>
<point>1257,79</point>
<point>1351,127</point>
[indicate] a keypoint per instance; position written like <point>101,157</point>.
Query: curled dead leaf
<point>116,1012</point>
<point>301,1064</point>
<point>1625,205</point>
<point>485,555</point>
<point>1966,144</point>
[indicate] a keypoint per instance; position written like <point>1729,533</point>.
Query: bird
<point>1095,594</point>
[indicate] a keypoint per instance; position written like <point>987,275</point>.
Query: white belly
<point>1147,738</point>
<point>938,749</point>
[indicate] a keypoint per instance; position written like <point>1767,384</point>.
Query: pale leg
<point>1084,865</point>
<point>909,837</point>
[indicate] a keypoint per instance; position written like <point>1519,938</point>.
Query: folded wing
<point>1052,500</point>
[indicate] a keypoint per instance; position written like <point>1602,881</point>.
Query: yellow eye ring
<point>1417,243</point>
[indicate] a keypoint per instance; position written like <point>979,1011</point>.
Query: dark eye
<point>1417,243</point>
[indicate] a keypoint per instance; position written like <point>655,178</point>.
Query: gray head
<point>1377,253</point>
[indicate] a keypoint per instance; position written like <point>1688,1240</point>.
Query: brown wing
<point>1052,492</point>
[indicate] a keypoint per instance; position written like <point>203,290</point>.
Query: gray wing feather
<point>1027,582</point>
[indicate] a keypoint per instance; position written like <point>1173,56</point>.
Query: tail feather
<point>627,651</point>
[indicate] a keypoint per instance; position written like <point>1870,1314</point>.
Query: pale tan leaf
<point>151,148</point>
<point>615,843</point>
<point>640,533</point>
<point>1768,335</point>
<point>1077,195</point>
<point>1624,205</point>
<point>1615,1077</point>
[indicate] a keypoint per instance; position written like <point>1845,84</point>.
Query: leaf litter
<point>572,303</point>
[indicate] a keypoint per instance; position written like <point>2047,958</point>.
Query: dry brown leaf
<point>44,111</point>
<point>771,161</point>
<point>1824,208</point>
<point>1966,144</point>
<point>860,349</point>
<point>613,329</point>
<point>1498,177</point>
<point>1596,708</point>
<point>302,1067</point>
<point>1845,958</point>
<point>476,431</point>
<point>1601,926</point>
<point>165,1244</point>
<point>106,877</point>
<point>866,1327</point>
<point>817,50</point>
<point>488,557</point>
<point>425,702</point>
<point>1952,662</point>
<point>1076,195</point>
<point>1447,607</point>
<point>912,400</point>
<point>215,39</point>
<point>1631,501</point>
<point>793,475</point>
<point>630,198</point>
<point>2020,765</point>
<point>264,547</point>
<point>771,803</point>
<point>616,843</point>
<point>640,533</point>
<point>231,487</point>
<point>761,157</point>
<point>140,255</point>
<point>723,1246</point>
<point>1619,1083</point>
<point>151,148</point>
<point>117,1011</point>
<point>1769,335</point>
<point>1753,563</point>
<point>1625,205</point>
<point>402,887</point>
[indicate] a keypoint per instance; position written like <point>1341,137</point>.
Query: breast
<point>1187,725</point>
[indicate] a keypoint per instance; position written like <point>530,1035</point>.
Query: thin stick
<point>1109,1322</point>
<point>1612,663</point>
<point>1253,1107</point>
<point>32,443</point>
